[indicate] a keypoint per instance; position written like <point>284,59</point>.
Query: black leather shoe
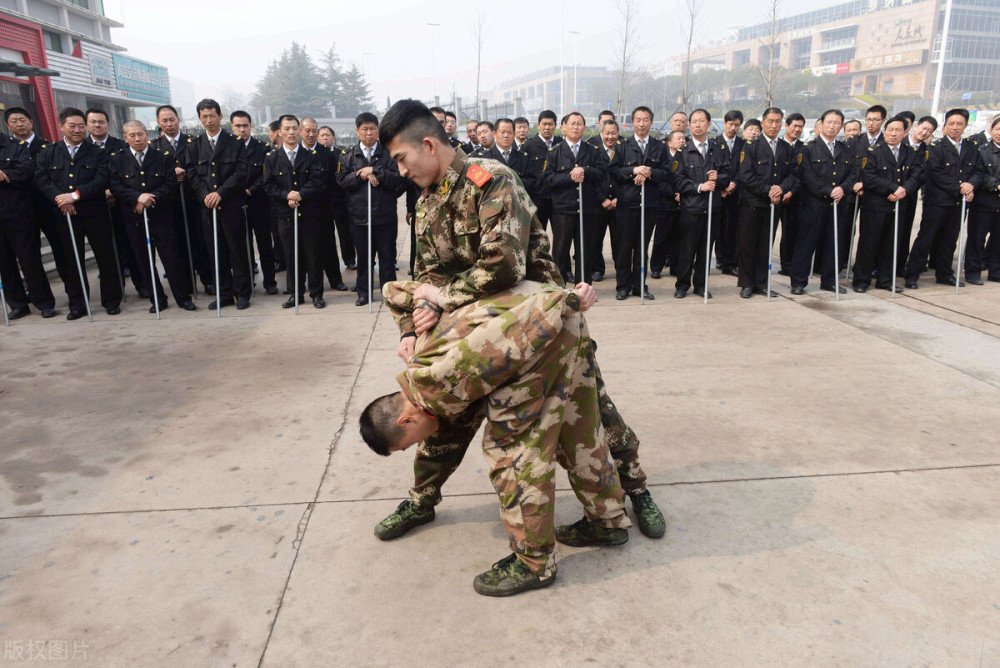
<point>993,279</point>
<point>189,306</point>
<point>361,300</point>
<point>798,290</point>
<point>911,285</point>
<point>834,288</point>
<point>622,294</point>
<point>729,271</point>
<point>888,288</point>
<point>648,295</point>
<point>225,302</point>
<point>680,293</point>
<point>860,288</point>
<point>319,303</point>
<point>784,272</point>
<point>19,312</point>
<point>951,283</point>
<point>75,315</point>
<point>210,290</point>
<point>113,310</point>
<point>340,287</point>
<point>350,265</point>
<point>49,312</point>
<point>290,302</point>
<point>973,280</point>
<point>655,274</point>
<point>701,293</point>
<point>746,293</point>
<point>271,289</point>
<point>242,303</point>
<point>597,277</point>
<point>763,292</point>
<point>163,307</point>
<point>286,291</point>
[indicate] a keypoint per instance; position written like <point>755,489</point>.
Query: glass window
<point>53,41</point>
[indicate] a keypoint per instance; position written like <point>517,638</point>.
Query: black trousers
<point>544,206</point>
<point>937,235</point>
<point>195,232</point>
<point>347,251</point>
<point>234,265</point>
<point>632,252</point>
<point>909,206</point>
<point>126,257</point>
<point>789,232</point>
<point>755,245</point>
<point>383,249</point>
<point>665,239</point>
<point>875,247</point>
<point>329,258</point>
<point>310,256</point>
<point>981,255</point>
<point>691,259</point>
<point>727,233</point>
<point>604,221</point>
<point>165,245</point>
<point>20,244</point>
<point>258,213</point>
<point>95,229</point>
<point>566,234</point>
<point>46,217</point>
<point>275,215</point>
<point>815,231</point>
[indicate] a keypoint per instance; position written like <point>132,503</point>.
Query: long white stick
<point>370,271</point>
<point>253,281</point>
<point>152,265</point>
<point>3,303</point>
<point>708,245</point>
<point>642,242</point>
<point>187,238</point>
<point>218,284</point>
<point>836,254</point>
<point>961,245</point>
<point>895,248</point>
<point>583,267</point>
<point>79,267</point>
<point>296,244</point>
<point>850,249</point>
<point>770,252</point>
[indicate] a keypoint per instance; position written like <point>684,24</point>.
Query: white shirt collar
<point>957,144</point>
<point>365,148</point>
<point>29,139</point>
<point>99,142</point>
<point>136,153</point>
<point>175,139</point>
<point>572,145</point>
<point>215,136</point>
<point>875,138</point>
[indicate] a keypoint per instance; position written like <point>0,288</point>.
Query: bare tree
<point>691,12</point>
<point>770,72</point>
<point>626,48</point>
<point>478,38</point>
<point>232,99</point>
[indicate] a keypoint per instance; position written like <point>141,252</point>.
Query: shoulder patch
<point>798,158</point>
<point>864,162</point>
<point>927,154</point>
<point>674,165</point>
<point>743,154</point>
<point>478,175</point>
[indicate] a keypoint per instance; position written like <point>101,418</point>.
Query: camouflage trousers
<point>440,455</point>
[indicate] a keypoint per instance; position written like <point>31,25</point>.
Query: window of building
<point>80,3</point>
<point>53,41</point>
<point>801,53</point>
<point>741,58</point>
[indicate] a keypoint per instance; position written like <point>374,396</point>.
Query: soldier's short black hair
<point>274,126</point>
<point>610,121</point>
<point>521,120</point>
<point>964,113</point>
<point>487,124</point>
<point>378,420</point>
<point>505,120</point>
<point>642,108</point>
<point>287,117</point>
<point>877,109</point>
<point>897,119</point>
<point>565,119</point>
<point>208,103</point>
<point>166,106</point>
<point>95,110</point>
<point>909,116</point>
<point>733,115</point>
<point>548,114</point>
<point>606,112</point>
<point>828,112</point>
<point>678,112</point>
<point>853,120</point>
<point>369,117</point>
<point>794,116</point>
<point>410,121</point>
<point>70,112</point>
<point>450,114</point>
<point>674,132</point>
<point>239,113</point>
<point>708,116</point>
<point>327,127</point>
<point>928,119</point>
<point>437,110</point>
<point>772,110</point>
<point>15,110</point>
<point>753,122</point>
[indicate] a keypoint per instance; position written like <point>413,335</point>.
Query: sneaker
<point>407,516</point>
<point>584,533</point>
<point>510,576</point>
<point>648,516</point>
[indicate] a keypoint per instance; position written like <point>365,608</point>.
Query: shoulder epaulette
<point>552,148</point>
<point>478,175</point>
<point>23,143</point>
<point>45,145</point>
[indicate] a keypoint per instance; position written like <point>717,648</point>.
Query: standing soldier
<point>327,227</point>
<point>985,216</point>
<point>571,163</point>
<point>890,173</point>
<point>369,165</point>
<point>143,181</point>
<point>258,208</point>
<point>791,201</point>
<point>73,175</point>
<point>954,170</point>
<point>664,250</point>
<point>19,241</point>
<point>728,233</point>
<point>537,149</point>
<point>338,198</point>
<point>216,163</point>
<point>826,170</point>
<point>293,178</point>
<point>767,174</point>
<point>604,219</point>
<point>919,138</point>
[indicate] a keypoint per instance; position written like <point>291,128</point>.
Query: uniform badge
<point>798,158</point>
<point>674,166</point>
<point>445,187</point>
<point>478,175</point>
<point>927,154</point>
<point>864,162</point>
<point>421,214</point>
<point>743,154</point>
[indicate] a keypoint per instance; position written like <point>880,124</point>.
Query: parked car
<point>850,114</point>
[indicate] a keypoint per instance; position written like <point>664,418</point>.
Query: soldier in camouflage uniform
<point>526,351</point>
<point>478,233</point>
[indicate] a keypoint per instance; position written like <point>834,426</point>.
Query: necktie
<point>548,143</point>
<point>609,153</point>
<point>576,149</point>
<point>642,147</point>
<point>703,149</point>
<point>139,157</point>
<point>291,157</point>
<point>72,152</point>
<point>774,148</point>
<point>212,144</point>
<point>830,145</point>
<point>101,144</point>
<point>173,142</point>
<point>871,142</point>
<point>506,156</point>
<point>895,153</point>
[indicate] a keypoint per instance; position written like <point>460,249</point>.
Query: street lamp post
<point>433,65</point>
<point>576,65</point>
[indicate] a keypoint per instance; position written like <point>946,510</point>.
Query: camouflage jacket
<point>478,233</point>
<point>476,348</point>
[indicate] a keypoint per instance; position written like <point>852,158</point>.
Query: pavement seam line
<point>958,313</point>
<point>303,525</point>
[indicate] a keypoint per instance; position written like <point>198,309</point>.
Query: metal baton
<point>370,277</point>
<point>961,244</point>
<point>582,277</point>
<point>253,281</point>
<point>218,284</point>
<point>836,254</point>
<point>770,252</point>
<point>187,238</point>
<point>295,225</point>
<point>850,248</point>
<point>152,265</point>
<point>3,303</point>
<point>708,245</point>
<point>642,242</point>
<point>895,248</point>
<point>79,267</point>
<point>118,260</point>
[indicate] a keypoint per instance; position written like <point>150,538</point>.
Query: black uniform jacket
<point>537,153</point>
<point>223,171</point>
<point>390,185</point>
<point>15,195</point>
<point>56,174</point>
<point>629,194</point>
<point>947,170</point>
<point>565,191</point>
<point>693,170</point>
<point>819,172</point>
<point>881,175</point>
<point>156,176</point>
<point>987,197</point>
<point>305,177</point>
<point>256,151</point>
<point>760,169</point>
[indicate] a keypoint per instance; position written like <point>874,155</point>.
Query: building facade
<point>71,39</point>
<point>536,91</point>
<point>874,47</point>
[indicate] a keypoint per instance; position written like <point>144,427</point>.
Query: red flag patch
<point>478,175</point>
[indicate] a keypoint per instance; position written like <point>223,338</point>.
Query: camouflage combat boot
<point>584,533</point>
<point>407,516</point>
<point>510,576</point>
<point>648,516</point>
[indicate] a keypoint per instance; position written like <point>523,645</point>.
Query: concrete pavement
<point>194,492</point>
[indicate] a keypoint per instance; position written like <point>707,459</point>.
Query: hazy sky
<point>213,47</point>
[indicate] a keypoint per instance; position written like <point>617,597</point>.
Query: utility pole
<point>940,68</point>
<point>434,88</point>
<point>576,65</point>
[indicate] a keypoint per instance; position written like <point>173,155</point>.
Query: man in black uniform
<point>985,216</point>
<point>473,139</point>
<point>258,208</point>
<point>791,201</point>
<point>727,235</point>
<point>595,140</point>
<point>309,135</point>
<point>826,170</point>
<point>503,150</point>
<point>919,138</point>
<point>537,149</point>
<point>642,162</point>
<point>143,181</point>
<point>487,140</point>
<point>338,199</point>
<point>954,170</point>
<point>19,241</point>
<point>859,145</point>
<point>73,174</point>
<point>171,139</point>
<point>216,163</point>
<point>293,177</point>
<point>571,163</point>
<point>890,174</point>
<point>767,173</point>
<point>442,116</point>
<point>369,165</point>
<point>604,219</point>
<point>703,173</point>
<point>522,128</point>
<point>667,228</point>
